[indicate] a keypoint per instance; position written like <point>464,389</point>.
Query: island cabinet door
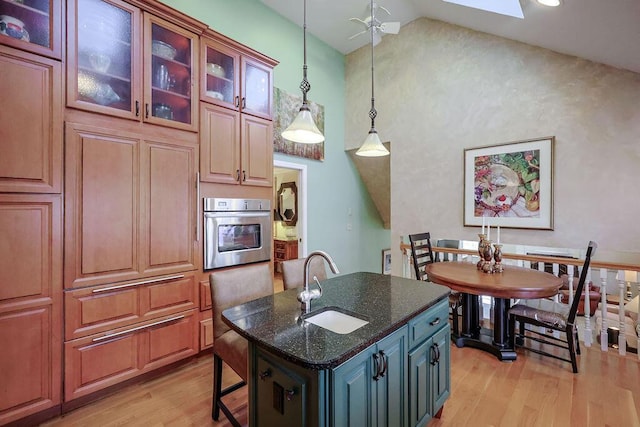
<point>371,388</point>
<point>429,380</point>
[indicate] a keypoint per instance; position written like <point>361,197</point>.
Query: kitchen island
<point>392,371</point>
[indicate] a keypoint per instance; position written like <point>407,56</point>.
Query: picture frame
<point>510,184</point>
<point>386,261</point>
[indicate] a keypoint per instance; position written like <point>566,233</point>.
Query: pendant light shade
<point>303,129</point>
<point>372,146</point>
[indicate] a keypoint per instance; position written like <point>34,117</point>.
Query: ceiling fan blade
<point>383,8</point>
<point>360,21</point>
<point>357,34</point>
<point>390,27</point>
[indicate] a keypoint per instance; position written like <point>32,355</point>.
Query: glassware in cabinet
<point>220,75</point>
<point>33,25</point>
<point>170,88</point>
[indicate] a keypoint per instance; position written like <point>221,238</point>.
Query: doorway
<point>285,173</point>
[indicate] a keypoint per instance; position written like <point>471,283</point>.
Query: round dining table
<point>513,283</point>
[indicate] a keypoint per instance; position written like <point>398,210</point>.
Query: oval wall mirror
<point>288,203</point>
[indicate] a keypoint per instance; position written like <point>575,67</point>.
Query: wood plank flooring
<point>532,391</point>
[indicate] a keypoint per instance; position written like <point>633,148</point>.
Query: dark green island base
<point>393,371</point>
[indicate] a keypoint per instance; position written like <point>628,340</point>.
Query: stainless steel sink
<point>336,321</point>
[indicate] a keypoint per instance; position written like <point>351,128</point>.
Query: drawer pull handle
<point>144,282</point>
<point>435,322</point>
<point>139,328</point>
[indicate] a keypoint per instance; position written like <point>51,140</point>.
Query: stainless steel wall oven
<point>236,231</point>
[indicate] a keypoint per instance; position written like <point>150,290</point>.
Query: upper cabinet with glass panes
<point>235,76</point>
<point>32,25</point>
<point>131,64</point>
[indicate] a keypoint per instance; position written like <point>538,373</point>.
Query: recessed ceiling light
<point>503,7</point>
<point>552,3</point>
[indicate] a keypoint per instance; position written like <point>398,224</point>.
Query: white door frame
<point>302,201</point>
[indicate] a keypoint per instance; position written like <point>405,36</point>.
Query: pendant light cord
<point>372,113</point>
<point>305,86</point>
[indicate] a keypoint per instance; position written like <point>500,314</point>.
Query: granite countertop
<point>387,302</point>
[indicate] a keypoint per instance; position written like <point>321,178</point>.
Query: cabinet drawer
<point>95,362</point>
<point>427,323</point>
<point>97,309</point>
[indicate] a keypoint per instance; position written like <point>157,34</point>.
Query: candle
<point>498,234</point>
<point>482,223</point>
<point>488,230</point>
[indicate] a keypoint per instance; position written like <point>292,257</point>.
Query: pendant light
<point>303,129</point>
<point>372,146</point>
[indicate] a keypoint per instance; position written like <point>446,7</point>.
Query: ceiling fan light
<point>303,129</point>
<point>552,3</point>
<point>372,146</point>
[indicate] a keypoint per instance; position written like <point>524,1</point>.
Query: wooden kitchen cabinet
<point>30,304</point>
<point>235,76</point>
<point>98,361</point>
<point>43,26</point>
<point>129,63</point>
<point>31,149</point>
<point>99,308</point>
<point>130,205</point>
<point>284,250</point>
<point>235,148</point>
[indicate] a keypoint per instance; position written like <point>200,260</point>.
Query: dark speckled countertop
<point>387,302</point>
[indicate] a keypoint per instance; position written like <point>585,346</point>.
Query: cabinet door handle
<point>197,206</point>
<point>435,322</point>
<point>139,328</point>
<point>238,175</point>
<point>137,108</point>
<point>237,101</point>
<point>289,394</point>
<point>435,354</point>
<point>244,102</point>
<point>146,110</point>
<point>144,282</point>
<point>244,176</point>
<point>384,363</point>
<point>265,374</point>
<point>376,367</point>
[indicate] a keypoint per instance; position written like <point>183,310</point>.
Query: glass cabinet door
<point>169,80</point>
<point>256,89</point>
<point>102,73</point>
<point>33,25</point>
<point>220,75</point>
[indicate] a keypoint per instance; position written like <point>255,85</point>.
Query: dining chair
<point>293,271</point>
<point>228,289</point>
<point>422,255</point>
<point>550,316</point>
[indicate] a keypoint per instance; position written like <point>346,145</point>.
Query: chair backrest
<point>293,271</point>
<point>591,249</point>
<point>421,253</point>
<point>237,286</point>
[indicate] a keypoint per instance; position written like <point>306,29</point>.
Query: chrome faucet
<point>307,295</point>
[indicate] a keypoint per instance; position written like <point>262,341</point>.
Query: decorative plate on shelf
<point>215,70</point>
<point>162,49</point>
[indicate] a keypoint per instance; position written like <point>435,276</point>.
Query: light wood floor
<point>532,391</point>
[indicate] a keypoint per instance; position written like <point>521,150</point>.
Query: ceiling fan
<point>379,28</point>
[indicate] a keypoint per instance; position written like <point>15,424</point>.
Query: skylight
<point>503,7</point>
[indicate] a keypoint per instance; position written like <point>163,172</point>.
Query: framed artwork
<point>285,109</point>
<point>511,184</point>
<point>386,261</point>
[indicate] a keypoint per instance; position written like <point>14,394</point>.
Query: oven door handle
<point>236,214</point>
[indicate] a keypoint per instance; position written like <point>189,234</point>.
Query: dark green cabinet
<point>401,380</point>
<point>370,389</point>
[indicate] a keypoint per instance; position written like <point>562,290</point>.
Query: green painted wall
<point>336,195</point>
